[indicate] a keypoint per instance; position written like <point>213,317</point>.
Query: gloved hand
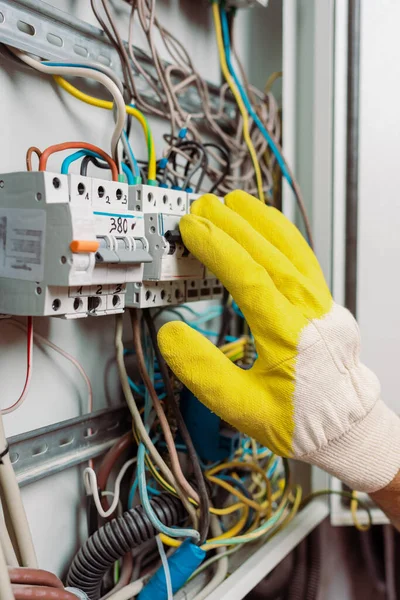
<point>307,396</point>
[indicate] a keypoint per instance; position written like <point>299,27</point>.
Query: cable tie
<point>4,453</point>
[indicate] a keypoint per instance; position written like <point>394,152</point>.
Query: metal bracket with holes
<point>48,450</point>
<point>36,27</point>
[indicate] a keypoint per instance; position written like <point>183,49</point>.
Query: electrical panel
<point>73,246</point>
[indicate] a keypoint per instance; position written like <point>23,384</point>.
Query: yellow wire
<point>106,104</point>
<point>354,508</point>
<point>238,98</point>
<point>229,488</point>
<point>228,510</point>
<point>236,464</point>
<point>238,526</point>
<point>233,345</point>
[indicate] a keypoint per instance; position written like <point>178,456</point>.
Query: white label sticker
<point>22,238</point>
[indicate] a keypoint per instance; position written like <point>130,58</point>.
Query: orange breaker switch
<point>84,246</point>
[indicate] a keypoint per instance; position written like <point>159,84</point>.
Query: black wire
<point>92,159</point>
<point>224,151</point>
<point>204,524</point>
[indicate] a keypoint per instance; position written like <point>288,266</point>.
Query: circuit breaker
<point>174,276</point>
<point>68,245</point>
<point>163,208</point>
<point>74,246</point>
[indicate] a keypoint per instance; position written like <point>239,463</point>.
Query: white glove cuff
<point>367,456</point>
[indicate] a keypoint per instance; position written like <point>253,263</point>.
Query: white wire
<point>90,481</point>
<point>88,74</point>
<point>17,521</point>
<point>129,591</point>
<point>165,565</point>
<point>222,567</point>
<point>6,592</point>
<point>74,361</point>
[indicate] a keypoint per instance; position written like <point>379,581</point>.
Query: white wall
<point>379,216</point>
<point>35,112</point>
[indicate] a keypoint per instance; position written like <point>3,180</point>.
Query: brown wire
<point>26,576</point>
<point>40,592</point>
<point>175,464</point>
<point>201,485</point>
<point>29,152</point>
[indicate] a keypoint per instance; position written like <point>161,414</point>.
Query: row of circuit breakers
<point>74,246</point>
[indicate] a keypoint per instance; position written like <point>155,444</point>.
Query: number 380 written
<point>119,225</point>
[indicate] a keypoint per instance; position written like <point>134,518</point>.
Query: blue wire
<point>81,153</point>
<point>144,498</point>
<point>131,155</point>
<point>245,98</point>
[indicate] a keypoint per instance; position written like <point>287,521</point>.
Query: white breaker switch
<point>68,245</point>
<point>163,209</point>
<point>164,278</point>
<point>183,286</point>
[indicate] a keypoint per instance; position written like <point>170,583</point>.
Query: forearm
<point>388,499</point>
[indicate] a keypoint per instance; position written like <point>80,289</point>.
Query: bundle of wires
<point>226,168</point>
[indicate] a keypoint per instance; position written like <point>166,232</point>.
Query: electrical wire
<point>92,100</point>
<point>90,74</point>
<point>176,467</point>
<point>138,423</point>
<point>129,591</point>
<point>78,145</point>
<point>222,567</point>
<point>245,98</point>
<point>6,592</point>
<point>164,562</point>
<point>16,520</point>
<point>239,101</point>
<point>39,592</point>
<point>267,135</point>
<point>29,152</point>
<point>90,480</point>
<point>343,494</point>
<point>157,524</point>
<point>204,501</point>
<point>46,342</point>
<point>29,367</point>
<point>6,544</point>
<point>353,508</point>
<point>82,153</point>
<point>25,576</point>
<point>129,154</point>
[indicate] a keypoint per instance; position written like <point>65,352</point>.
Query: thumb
<point>204,369</point>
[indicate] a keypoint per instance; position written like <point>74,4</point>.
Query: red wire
<point>29,347</point>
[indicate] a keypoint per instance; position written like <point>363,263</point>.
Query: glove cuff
<point>367,456</point>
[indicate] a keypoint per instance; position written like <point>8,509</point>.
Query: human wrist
<point>388,499</point>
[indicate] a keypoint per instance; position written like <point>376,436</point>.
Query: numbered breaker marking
<point>205,289</point>
<point>60,235</point>
<point>152,295</point>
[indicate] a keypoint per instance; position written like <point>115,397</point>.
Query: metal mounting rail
<point>48,450</point>
<point>41,29</point>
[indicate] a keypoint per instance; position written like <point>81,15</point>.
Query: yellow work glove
<point>307,396</point>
